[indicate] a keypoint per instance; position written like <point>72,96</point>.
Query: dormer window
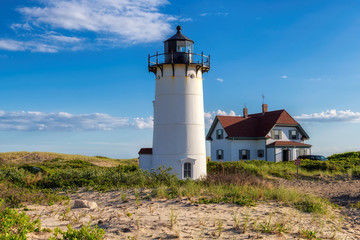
<point>219,134</point>
<point>276,134</point>
<point>293,134</point>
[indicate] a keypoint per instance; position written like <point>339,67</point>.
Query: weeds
<point>355,205</point>
<point>236,219</point>
<point>220,226</point>
<point>173,218</point>
<point>137,197</point>
<point>123,197</point>
<point>246,218</point>
<point>85,232</point>
<point>308,234</point>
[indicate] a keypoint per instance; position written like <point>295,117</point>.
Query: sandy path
<point>182,219</point>
<point>341,192</point>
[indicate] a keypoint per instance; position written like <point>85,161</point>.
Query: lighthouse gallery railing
<point>179,57</point>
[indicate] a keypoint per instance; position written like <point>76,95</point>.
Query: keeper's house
<point>271,136</point>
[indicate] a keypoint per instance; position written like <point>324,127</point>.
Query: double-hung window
<point>293,134</point>
<point>187,170</point>
<point>219,154</point>
<point>244,154</point>
<point>260,153</point>
<point>219,134</point>
<point>276,134</point>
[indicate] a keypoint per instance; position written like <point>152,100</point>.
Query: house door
<point>286,155</point>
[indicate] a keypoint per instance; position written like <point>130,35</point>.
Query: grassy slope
<point>21,183</point>
<point>36,157</point>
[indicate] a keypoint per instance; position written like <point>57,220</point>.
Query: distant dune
<point>35,157</point>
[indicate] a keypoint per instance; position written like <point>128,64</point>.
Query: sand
<point>183,219</point>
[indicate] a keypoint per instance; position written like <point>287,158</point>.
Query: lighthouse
<point>179,132</point>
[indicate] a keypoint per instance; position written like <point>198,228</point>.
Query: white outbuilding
<point>179,133</point>
<point>270,136</point>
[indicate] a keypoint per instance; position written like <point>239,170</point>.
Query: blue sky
<point>74,79</point>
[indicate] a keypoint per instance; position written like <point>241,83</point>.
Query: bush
<point>15,225</point>
<point>85,233</point>
<point>311,206</point>
<point>352,155</point>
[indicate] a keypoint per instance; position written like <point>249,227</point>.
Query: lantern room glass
<point>179,51</point>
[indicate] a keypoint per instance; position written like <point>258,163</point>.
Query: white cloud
<point>331,116</point>
<point>12,45</point>
<point>216,14</point>
<point>220,79</point>
<point>112,23</point>
<point>19,26</point>
<point>131,20</point>
<point>284,76</point>
<point>62,121</point>
<point>65,39</point>
<point>209,116</point>
<point>185,19</point>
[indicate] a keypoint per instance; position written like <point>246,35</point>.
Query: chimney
<point>245,112</point>
<point>264,108</point>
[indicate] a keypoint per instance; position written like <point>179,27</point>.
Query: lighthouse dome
<point>179,36</point>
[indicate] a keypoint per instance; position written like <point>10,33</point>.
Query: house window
<point>187,170</point>
<point>293,134</point>
<point>219,134</point>
<point>219,154</point>
<point>260,153</point>
<point>244,154</point>
<point>276,134</point>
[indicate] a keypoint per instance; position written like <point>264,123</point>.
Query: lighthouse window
<point>219,134</point>
<point>219,154</point>
<point>187,170</point>
<point>180,49</point>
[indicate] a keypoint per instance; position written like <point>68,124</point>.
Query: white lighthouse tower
<point>179,132</point>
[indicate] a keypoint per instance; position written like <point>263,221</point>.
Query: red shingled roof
<point>145,151</point>
<point>255,125</point>
<point>287,144</point>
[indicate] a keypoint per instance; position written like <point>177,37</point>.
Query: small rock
<point>126,230</point>
<point>85,204</point>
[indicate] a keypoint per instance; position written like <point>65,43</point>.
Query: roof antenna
<point>263,99</point>
<point>179,17</point>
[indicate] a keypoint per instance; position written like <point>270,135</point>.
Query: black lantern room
<point>178,48</point>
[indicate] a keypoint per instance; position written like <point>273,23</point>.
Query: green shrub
<point>84,233</point>
<point>351,155</point>
<point>16,225</point>
<point>311,206</point>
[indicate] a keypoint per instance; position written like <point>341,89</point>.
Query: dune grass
<point>36,177</point>
<point>347,164</point>
<point>36,157</point>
